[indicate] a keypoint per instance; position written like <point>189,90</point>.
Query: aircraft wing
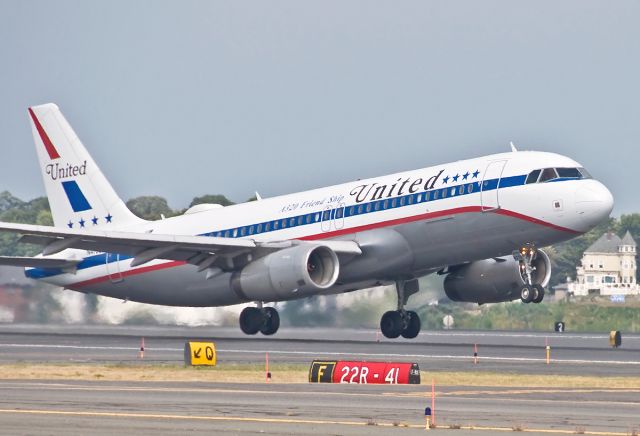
<point>38,262</point>
<point>204,251</point>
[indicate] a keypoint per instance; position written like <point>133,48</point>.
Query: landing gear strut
<point>529,292</point>
<point>259,319</point>
<point>402,322</point>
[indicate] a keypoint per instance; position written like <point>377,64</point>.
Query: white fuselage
<point>407,224</point>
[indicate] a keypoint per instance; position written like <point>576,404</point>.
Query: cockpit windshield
<point>556,174</point>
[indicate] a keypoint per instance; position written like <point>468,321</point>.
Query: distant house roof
<point>610,243</point>
<point>628,239</point>
<point>607,243</point>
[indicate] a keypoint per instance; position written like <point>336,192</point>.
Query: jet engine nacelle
<point>287,274</point>
<point>494,280</point>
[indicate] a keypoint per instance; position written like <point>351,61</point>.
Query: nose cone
<point>594,203</point>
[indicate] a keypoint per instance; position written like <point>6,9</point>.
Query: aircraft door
<point>325,219</point>
<point>113,267</point>
<point>338,216</point>
<point>489,192</point>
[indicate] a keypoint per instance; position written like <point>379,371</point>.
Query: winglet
<point>513,147</point>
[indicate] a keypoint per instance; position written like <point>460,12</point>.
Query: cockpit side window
<point>585,173</point>
<point>569,173</point>
<point>533,176</point>
<point>548,174</point>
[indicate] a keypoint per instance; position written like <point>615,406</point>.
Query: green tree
<point>150,207</point>
<point>212,199</point>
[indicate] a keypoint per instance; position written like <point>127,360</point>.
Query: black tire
<point>391,324</point>
<point>540,294</point>
<point>271,322</point>
<point>251,320</point>
<point>527,294</point>
<point>413,326</point>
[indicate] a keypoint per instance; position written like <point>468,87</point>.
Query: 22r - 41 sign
<point>340,371</point>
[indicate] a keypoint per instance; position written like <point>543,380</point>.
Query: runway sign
<point>615,339</point>
<point>200,353</point>
<point>340,371</point>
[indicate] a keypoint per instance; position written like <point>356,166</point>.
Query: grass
<point>287,373</point>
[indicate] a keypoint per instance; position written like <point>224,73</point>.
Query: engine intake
<point>494,280</point>
<point>291,273</point>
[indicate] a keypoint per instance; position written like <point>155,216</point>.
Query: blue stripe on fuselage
<point>435,194</point>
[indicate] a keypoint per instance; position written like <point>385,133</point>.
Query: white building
<point>608,267</point>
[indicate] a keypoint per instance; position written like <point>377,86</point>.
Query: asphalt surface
<point>517,352</point>
<point>39,407</point>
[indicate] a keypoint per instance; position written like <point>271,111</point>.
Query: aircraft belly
<point>174,286</point>
<point>387,253</point>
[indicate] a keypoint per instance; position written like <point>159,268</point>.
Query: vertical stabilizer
<point>79,194</point>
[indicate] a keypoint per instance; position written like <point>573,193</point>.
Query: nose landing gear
<point>401,322</point>
<point>265,320</point>
<point>529,292</point>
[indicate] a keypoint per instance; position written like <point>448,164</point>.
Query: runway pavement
<point>37,408</point>
<point>518,352</point>
<point>41,407</point>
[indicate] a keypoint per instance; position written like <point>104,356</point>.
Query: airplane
<point>480,222</point>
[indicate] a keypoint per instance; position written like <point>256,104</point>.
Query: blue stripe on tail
<point>77,199</point>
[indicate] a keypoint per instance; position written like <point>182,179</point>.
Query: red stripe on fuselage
<point>51,150</point>
<point>325,235</point>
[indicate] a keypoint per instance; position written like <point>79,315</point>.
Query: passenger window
<point>393,203</point>
<point>243,231</point>
<point>316,217</point>
<point>308,219</point>
<point>410,199</point>
<point>444,193</point>
<point>461,190</point>
<point>532,177</point>
<point>386,204</point>
<point>548,174</point>
<point>292,222</point>
<point>376,205</point>
<point>419,198</point>
<point>339,213</point>
<point>359,209</point>
<point>435,195</point>
<point>401,201</point>
<point>283,224</point>
<point>453,191</point>
<point>259,230</point>
<point>300,220</point>
<point>267,227</point>
<point>251,230</point>
<point>469,188</point>
<point>368,207</point>
<point>235,232</point>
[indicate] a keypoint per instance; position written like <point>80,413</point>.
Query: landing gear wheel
<point>271,321</point>
<point>413,325</point>
<point>527,294</point>
<point>539,294</point>
<point>391,324</point>
<point>251,319</point>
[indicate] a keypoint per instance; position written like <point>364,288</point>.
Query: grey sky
<point>185,98</point>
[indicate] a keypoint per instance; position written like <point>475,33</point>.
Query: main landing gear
<point>259,319</point>
<point>402,322</point>
<point>529,292</point>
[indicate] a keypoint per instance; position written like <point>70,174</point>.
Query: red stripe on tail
<point>53,153</point>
